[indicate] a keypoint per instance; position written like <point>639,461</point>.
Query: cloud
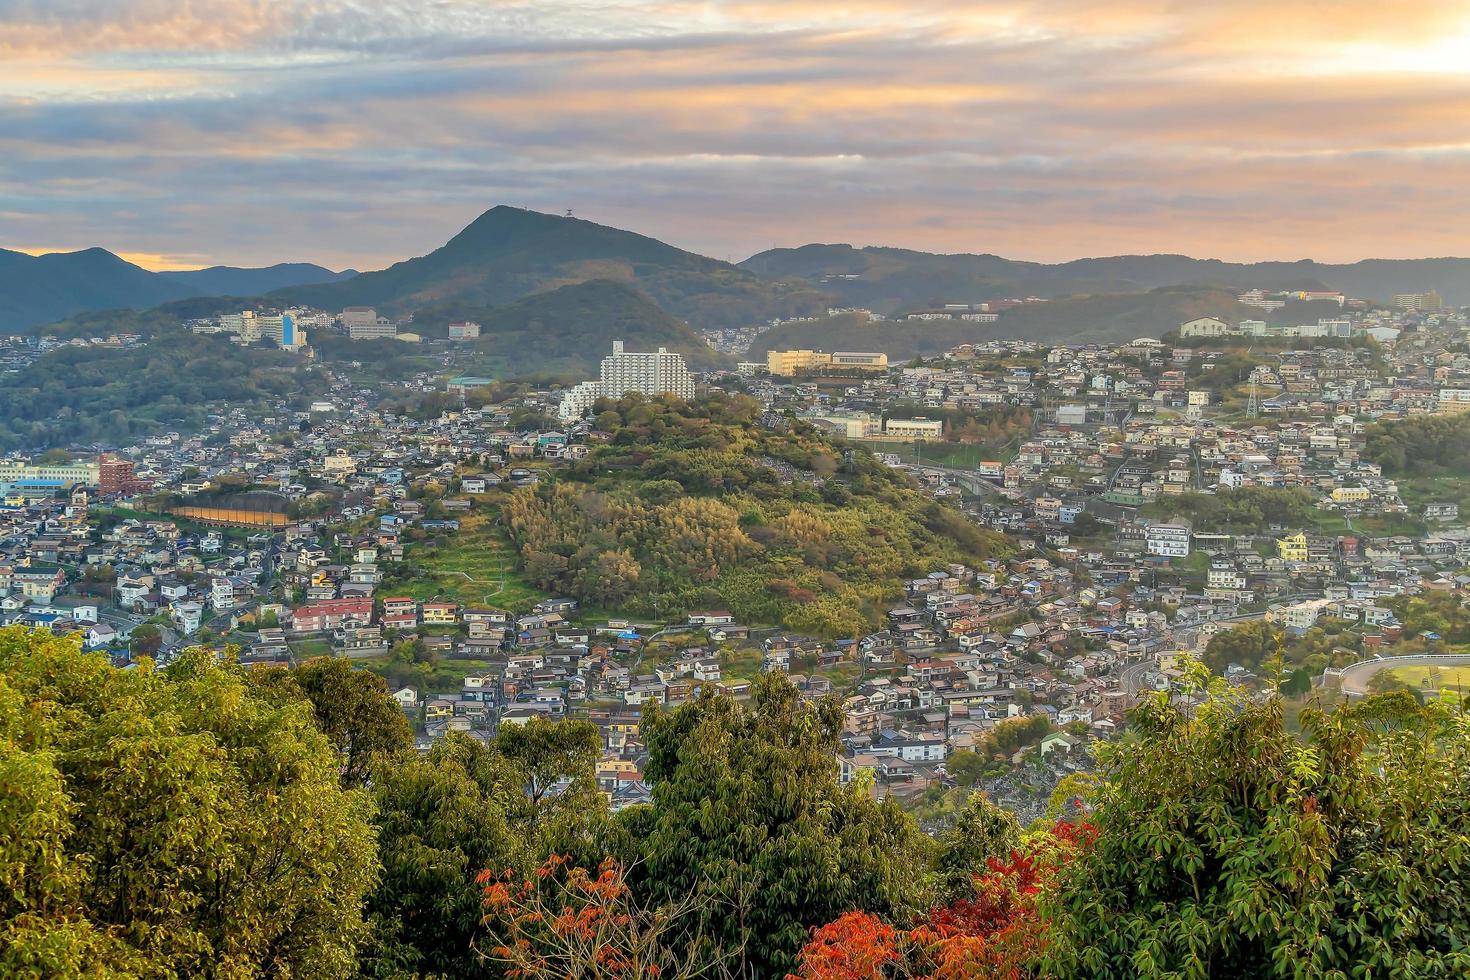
<point>356,132</point>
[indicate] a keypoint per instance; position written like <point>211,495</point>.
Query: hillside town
<point>336,532</point>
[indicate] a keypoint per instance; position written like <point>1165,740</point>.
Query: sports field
<point>1434,678</point>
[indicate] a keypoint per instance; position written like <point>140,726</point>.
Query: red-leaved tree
<point>997,935</point>
<point>565,921</point>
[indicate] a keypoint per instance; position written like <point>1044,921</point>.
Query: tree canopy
<point>170,823</point>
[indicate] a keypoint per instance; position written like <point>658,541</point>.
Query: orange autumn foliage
<point>998,934</point>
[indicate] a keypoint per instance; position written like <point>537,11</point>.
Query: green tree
<point>555,765</point>
<point>353,709</point>
<point>441,821</point>
<point>170,823</point>
<point>748,816</point>
<point>145,640</point>
<point>982,830</point>
<point>1230,847</point>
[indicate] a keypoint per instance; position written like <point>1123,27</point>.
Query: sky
<point>182,133</point>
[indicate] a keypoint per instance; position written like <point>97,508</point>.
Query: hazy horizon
<point>156,263</point>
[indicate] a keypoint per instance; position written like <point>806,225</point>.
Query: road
<point>1131,678</point>
<point>968,479</point>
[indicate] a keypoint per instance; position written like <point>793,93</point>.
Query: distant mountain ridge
<point>41,289</point>
<point>508,253</point>
<point>894,279</point>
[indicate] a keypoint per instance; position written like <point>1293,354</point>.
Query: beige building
<point>925,429</point>
<point>786,363</point>
<point>1453,401</point>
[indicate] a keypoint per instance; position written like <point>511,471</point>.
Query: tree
<point>1229,847</point>
<point>354,710</point>
<point>996,930</point>
<point>981,831</point>
<point>441,820</point>
<point>145,641</point>
<point>555,763</point>
<point>966,766</point>
<point>748,816</point>
<point>170,823</point>
<point>566,921</point>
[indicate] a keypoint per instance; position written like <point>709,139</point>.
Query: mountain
<point>41,289</point>
<point>223,280</point>
<point>37,289</point>
<point>1107,318</point>
<point>892,280</point>
<point>508,253</point>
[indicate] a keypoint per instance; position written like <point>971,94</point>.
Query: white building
<point>651,373</point>
<point>1167,540</point>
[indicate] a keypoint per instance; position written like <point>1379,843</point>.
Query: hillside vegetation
<point>691,506</point>
<point>567,331</point>
<point>36,290</point>
<point>84,395</point>
<point>1103,319</point>
<point>894,278</point>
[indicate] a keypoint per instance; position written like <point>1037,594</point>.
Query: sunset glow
<point>250,131</point>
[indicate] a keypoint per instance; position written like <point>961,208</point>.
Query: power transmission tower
<point>1253,405</point>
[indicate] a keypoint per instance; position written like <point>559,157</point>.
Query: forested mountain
<point>508,253</point>
<point>41,289</point>
<point>890,279</point>
<point>209,820</point>
<point>223,280</point>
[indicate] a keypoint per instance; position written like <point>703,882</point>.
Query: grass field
<point>305,649</point>
<point>478,566</point>
<point>1434,678</point>
<point>941,453</point>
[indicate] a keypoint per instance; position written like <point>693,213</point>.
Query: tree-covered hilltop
<point>694,505</point>
<point>110,395</point>
<point>212,821</point>
<point>1097,318</point>
<point>567,331</point>
<point>1422,445</point>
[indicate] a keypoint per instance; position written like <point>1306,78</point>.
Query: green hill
<point>508,253</point>
<point>98,395</point>
<point>568,330</point>
<point>695,506</point>
<point>1083,319</point>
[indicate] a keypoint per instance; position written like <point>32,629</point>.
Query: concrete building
<point>651,373</point>
<point>14,471</point>
<point>1167,540</point>
<point>1205,326</point>
<point>363,323</point>
<point>923,429</point>
<point>1429,302</point>
<point>785,363</point>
